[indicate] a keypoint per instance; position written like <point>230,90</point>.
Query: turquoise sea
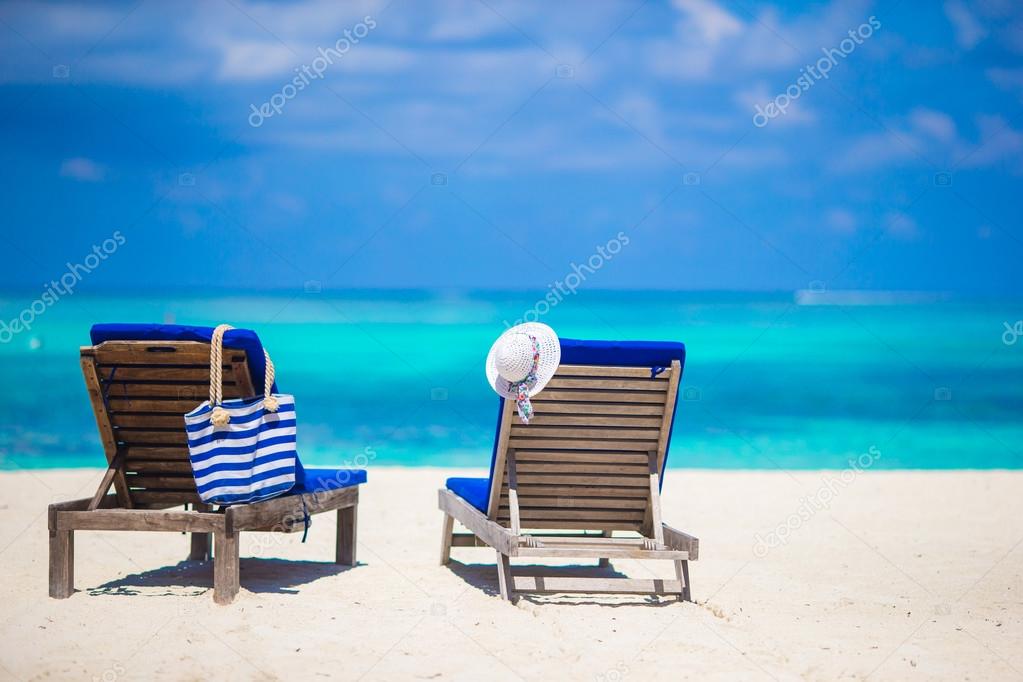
<point>771,380</point>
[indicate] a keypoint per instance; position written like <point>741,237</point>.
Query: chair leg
<point>446,534</point>
<point>226,568</point>
<point>347,519</point>
<point>605,562</point>
<point>200,547</point>
<point>62,563</point>
<point>682,574</point>
<point>504,577</point>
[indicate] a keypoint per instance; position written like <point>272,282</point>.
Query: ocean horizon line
<point>801,296</point>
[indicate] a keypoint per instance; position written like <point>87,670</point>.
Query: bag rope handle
<point>220,416</point>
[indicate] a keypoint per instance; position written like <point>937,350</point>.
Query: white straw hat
<point>511,358</point>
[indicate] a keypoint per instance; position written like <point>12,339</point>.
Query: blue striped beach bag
<point>241,450</point>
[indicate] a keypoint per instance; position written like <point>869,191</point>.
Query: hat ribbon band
<point>522,388</point>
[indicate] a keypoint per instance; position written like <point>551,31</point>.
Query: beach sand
<point>904,576</point>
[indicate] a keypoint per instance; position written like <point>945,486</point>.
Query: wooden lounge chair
<point>583,476</point>
<point>140,390</point>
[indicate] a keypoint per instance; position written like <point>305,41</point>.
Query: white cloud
<point>923,136</point>
<point>82,169</point>
<point>998,142</point>
<point>797,112</point>
<point>933,123</point>
<point>968,30</point>
<point>711,22</point>
<point>930,137</point>
<point>472,20</point>
<point>707,41</point>
<point>901,226</point>
<point>841,221</point>
<point>1007,79</point>
<point>255,60</point>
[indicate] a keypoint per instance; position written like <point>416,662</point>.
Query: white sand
<point>908,575</point>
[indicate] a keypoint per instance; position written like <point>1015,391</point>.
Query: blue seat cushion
<point>475,491</point>
<point>239,339</point>
<point>325,479</point>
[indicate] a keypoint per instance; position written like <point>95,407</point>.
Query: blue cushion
<point>624,353</point>
<point>239,339</point>
<point>651,354</point>
<point>475,491</point>
<point>324,479</point>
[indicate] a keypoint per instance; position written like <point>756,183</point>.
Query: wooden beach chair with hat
<point>583,478</point>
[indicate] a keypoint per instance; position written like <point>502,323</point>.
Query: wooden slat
<point>613,432</point>
<point>588,467</point>
<point>583,480</point>
<point>159,353</point>
<point>609,384</point>
<point>174,406</point>
<point>274,512</point>
<point>597,420</point>
<point>157,466</point>
<point>553,513</point>
<point>601,371</point>
<point>99,410</point>
<point>164,496</point>
<point>676,539</point>
<point>190,392</point>
<point>161,482</point>
<point>547,407</point>
<point>551,584</point>
<point>161,373</point>
<point>537,490</point>
<point>487,530</point>
<point>563,524</point>
<point>579,502</point>
<point>114,470</point>
<point>151,421</point>
<point>594,396</point>
<point>502,449</point>
<point>155,452</point>
<point>653,518</point>
<point>150,437</point>
<point>599,551</point>
<point>602,457</point>
<point>135,519</point>
<point>580,444</point>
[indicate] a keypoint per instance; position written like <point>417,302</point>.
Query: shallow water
<point>398,376</point>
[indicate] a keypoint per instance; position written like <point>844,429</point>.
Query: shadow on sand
<point>484,578</point>
<point>273,576</point>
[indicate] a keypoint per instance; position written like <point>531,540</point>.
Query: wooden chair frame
<point>147,465</point>
<point>594,447</point>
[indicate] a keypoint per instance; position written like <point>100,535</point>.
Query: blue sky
<point>490,144</point>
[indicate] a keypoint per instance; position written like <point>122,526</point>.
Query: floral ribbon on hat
<point>522,388</point>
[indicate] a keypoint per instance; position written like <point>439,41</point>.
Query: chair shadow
<point>268,576</point>
<point>484,578</point>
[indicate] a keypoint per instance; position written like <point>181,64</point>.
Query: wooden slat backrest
<point>583,461</point>
<point>140,391</point>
